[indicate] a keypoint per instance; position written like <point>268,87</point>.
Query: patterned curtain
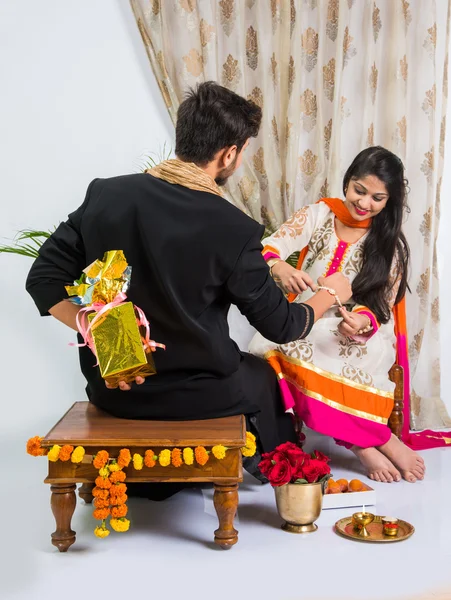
<point>332,77</point>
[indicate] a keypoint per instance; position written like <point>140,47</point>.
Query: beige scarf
<point>187,174</point>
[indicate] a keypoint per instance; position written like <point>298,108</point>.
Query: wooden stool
<point>87,426</point>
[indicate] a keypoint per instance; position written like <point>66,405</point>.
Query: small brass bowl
<point>360,520</point>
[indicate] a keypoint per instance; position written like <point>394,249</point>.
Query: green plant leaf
<point>301,481</point>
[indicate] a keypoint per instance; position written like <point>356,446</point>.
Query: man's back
<point>183,246</point>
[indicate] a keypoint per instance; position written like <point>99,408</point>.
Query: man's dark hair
<point>212,118</point>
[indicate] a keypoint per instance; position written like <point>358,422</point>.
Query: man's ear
<point>227,156</point>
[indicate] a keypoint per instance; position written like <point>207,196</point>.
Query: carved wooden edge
<point>396,420</point>
<point>63,501</point>
<point>225,501</point>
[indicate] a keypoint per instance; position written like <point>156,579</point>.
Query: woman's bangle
<point>332,292</point>
<point>366,329</point>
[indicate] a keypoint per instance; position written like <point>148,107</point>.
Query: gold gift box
<point>119,346</point>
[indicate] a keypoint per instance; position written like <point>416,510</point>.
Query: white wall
<point>78,101</point>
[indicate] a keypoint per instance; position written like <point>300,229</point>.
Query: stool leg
<point>63,503</point>
<point>85,492</point>
<point>226,503</point>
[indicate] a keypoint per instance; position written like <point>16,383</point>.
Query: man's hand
<point>125,387</point>
<point>290,279</point>
<point>352,323</point>
<point>340,283</point>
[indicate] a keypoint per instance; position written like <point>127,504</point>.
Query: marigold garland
<point>150,460</point>
<point>176,457</point>
<point>188,456</point>
<point>78,454</point>
<point>103,482</point>
<point>120,524</point>
<point>138,462</point>
<point>124,457</point>
<point>34,446</point>
<point>219,451</point>
<point>100,459</point>
<point>165,458</point>
<point>101,513</point>
<point>117,477</point>
<point>53,453</point>
<point>65,452</point>
<point>201,455</point>
<point>102,531</point>
<point>119,511</point>
<point>110,489</point>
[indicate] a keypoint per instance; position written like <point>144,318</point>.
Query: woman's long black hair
<point>385,239</point>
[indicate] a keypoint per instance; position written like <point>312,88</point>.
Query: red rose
<point>320,456</point>
<point>315,470</point>
<point>265,465</point>
<point>280,474</point>
<point>290,452</point>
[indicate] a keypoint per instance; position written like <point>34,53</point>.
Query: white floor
<point>169,553</point>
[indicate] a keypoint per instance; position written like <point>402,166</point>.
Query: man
<point>193,255</point>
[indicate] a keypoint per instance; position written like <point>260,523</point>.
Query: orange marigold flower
<point>100,493</point>
<point>101,513</point>
<point>65,452</point>
<point>118,489</point>
<point>150,458</point>
<point>101,459</point>
<point>201,455</point>
<point>34,446</point>
<point>176,457</point>
<point>101,503</point>
<point>124,457</point>
<point>117,477</point>
<point>119,511</point>
<point>103,482</point>
<point>118,500</point>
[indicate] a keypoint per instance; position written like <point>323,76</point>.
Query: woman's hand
<point>122,385</point>
<point>352,323</point>
<point>290,279</point>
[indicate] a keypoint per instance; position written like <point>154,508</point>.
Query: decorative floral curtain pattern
<point>332,77</point>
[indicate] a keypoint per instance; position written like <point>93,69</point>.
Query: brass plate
<point>345,528</point>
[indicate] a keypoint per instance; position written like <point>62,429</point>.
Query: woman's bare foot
<point>378,466</point>
<point>409,462</point>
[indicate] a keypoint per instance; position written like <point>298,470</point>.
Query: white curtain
<point>332,77</point>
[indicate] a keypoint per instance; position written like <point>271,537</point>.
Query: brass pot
<point>299,504</point>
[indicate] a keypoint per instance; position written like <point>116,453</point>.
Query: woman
<point>336,380</point>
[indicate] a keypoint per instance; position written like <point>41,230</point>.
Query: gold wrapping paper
<point>119,347</point>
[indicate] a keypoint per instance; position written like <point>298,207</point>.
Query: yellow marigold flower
<point>101,532</point>
<point>188,456</point>
<point>250,438</point>
<point>54,453</point>
<point>34,446</point>
<point>114,467</point>
<point>219,451</point>
<point>176,457</point>
<point>120,524</point>
<point>249,450</point>
<point>124,458</point>
<point>165,458</point>
<point>78,454</point>
<point>201,455</point>
<point>150,460</point>
<point>138,462</point>
<point>104,472</point>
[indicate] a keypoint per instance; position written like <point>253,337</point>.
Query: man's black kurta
<point>192,254</point>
